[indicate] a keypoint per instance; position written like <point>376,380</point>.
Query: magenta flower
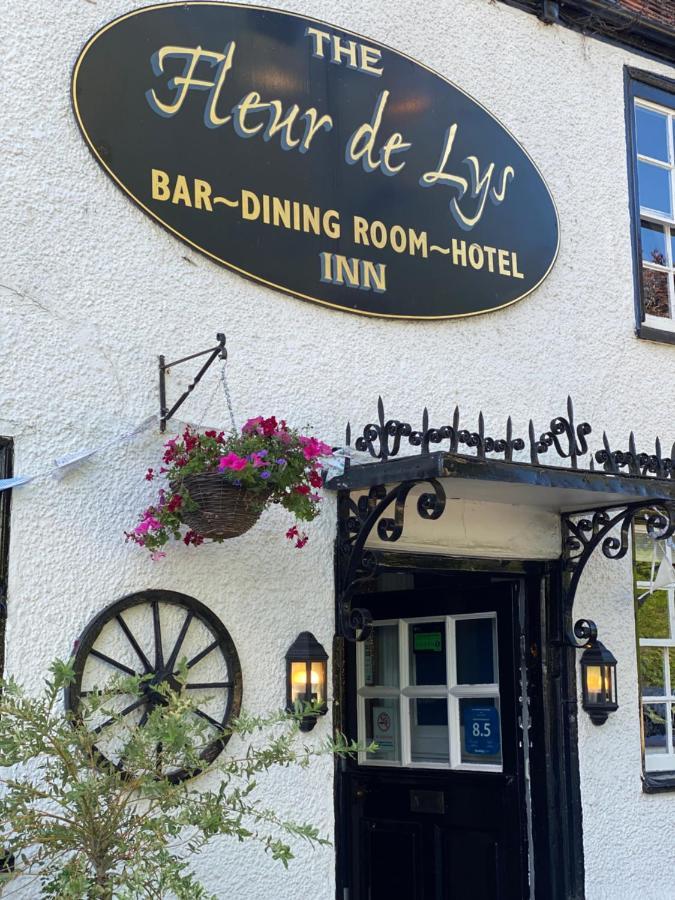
<point>232,461</point>
<point>312,448</point>
<point>251,425</point>
<point>157,555</point>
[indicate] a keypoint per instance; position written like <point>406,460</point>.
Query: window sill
<point>658,782</point>
<point>661,335</point>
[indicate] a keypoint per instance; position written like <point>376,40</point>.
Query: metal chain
<point>226,389</point>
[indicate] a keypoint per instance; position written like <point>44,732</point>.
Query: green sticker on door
<point>427,641</point>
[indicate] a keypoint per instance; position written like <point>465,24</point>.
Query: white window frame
<point>404,692</point>
<point>655,217</point>
<point>660,762</point>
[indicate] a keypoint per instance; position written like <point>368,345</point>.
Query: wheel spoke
<point>134,643</point>
<point>125,712</point>
<point>179,641</point>
<point>208,718</point>
<point>113,662</point>
<point>159,653</point>
<point>200,656</point>
<point>199,685</point>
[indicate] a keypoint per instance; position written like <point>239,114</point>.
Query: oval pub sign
<point>315,160</point>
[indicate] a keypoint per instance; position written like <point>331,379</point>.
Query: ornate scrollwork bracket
<point>357,566</point>
<point>609,529</point>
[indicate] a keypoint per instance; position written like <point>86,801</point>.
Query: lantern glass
<point>598,673</point>
<point>307,676</point>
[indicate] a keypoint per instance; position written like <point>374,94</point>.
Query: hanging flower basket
<point>216,486</point>
<point>221,510</point>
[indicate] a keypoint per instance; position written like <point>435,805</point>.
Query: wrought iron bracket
<point>608,529</point>
<point>217,352</point>
<point>357,566</point>
<point>583,635</point>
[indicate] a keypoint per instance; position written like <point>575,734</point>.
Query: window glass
<point>653,240</point>
<point>429,730</point>
<point>654,188</point>
<point>382,728</point>
<point>653,618</point>
<point>655,626</point>
<point>652,673</point>
<point>655,292</point>
<point>480,730</point>
<point>652,133</point>
<point>475,651</point>
<point>381,656</point>
<point>427,653</point>
<point>654,719</point>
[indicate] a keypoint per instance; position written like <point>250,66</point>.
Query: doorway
<point>439,808</point>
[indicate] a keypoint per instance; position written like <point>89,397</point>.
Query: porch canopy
<point>597,493</point>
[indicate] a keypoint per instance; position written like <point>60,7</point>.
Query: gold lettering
<point>418,242</point>
<point>288,142</point>
<point>367,134</point>
<point>514,264</point>
<point>181,192</point>
<point>369,55</point>
<point>340,50</point>
<point>310,218</point>
<point>250,103</point>
<point>202,195</point>
<point>361,231</point>
<point>314,123</point>
<point>348,267</point>
<point>160,185</point>
<point>397,238</point>
<point>318,40</point>
<point>395,144</point>
<point>378,234</point>
<point>490,253</point>
<point>476,256</point>
<point>503,259</point>
<point>458,252</point>
<point>331,223</point>
<point>373,276</point>
<point>281,212</point>
<point>250,206</point>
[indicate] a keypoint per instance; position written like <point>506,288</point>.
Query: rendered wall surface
<point>91,291</point>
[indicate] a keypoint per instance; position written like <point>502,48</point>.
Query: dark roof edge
<point>614,25</point>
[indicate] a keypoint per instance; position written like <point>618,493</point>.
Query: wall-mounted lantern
<point>307,677</point>
<point>598,673</point>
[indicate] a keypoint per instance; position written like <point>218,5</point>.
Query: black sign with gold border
<point>315,161</point>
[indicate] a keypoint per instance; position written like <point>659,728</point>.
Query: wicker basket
<point>223,510</point>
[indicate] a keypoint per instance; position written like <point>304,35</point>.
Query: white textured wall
<point>93,291</point>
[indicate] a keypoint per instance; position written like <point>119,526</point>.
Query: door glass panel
<point>429,730</point>
<point>381,657</point>
<point>480,730</point>
<point>654,718</point>
<point>427,653</point>
<point>653,620</point>
<point>382,727</point>
<point>652,675</point>
<point>475,651</point>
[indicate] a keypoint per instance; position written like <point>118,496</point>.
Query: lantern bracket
<point>217,352</point>
<point>584,636</point>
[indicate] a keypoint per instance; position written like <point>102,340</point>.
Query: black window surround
<point>660,90</point>
<point>6,467</point>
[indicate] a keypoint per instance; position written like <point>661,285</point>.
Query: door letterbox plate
<point>427,802</point>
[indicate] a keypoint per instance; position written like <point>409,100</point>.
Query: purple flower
<point>282,462</point>
<point>264,474</point>
<point>263,453</point>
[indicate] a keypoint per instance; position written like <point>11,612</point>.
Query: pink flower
<point>157,555</point>
<point>252,425</point>
<point>150,523</point>
<point>232,461</point>
<point>312,448</point>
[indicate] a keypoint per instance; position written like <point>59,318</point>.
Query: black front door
<point>436,811</point>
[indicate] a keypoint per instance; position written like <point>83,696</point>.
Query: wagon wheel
<point>150,634</point>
